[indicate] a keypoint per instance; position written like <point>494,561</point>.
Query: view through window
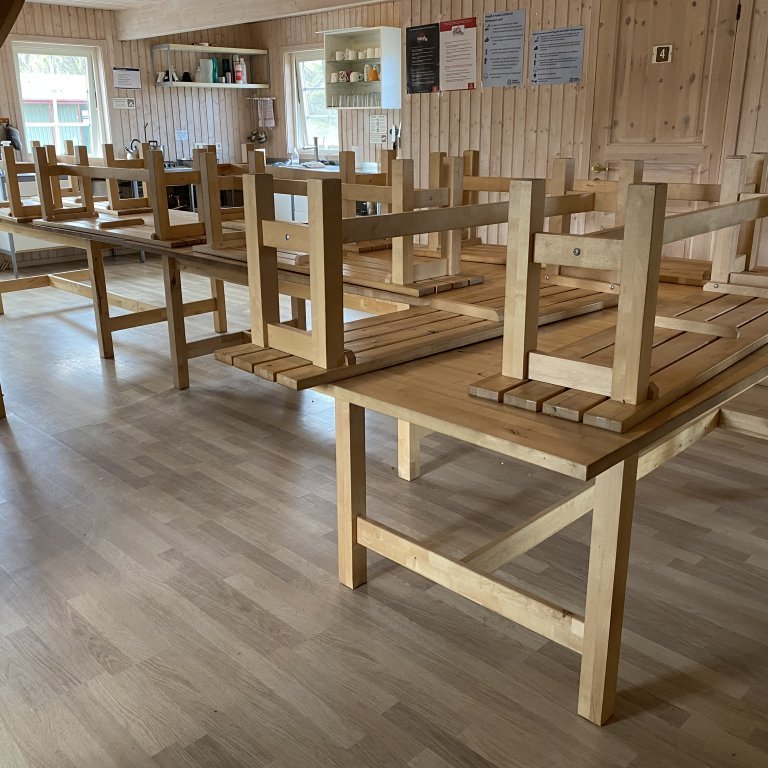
<point>58,87</point>
<point>313,118</point>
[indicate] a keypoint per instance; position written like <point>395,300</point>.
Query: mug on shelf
<point>334,77</point>
<point>370,53</point>
<point>343,77</point>
<point>361,54</point>
<point>354,77</point>
<point>376,53</point>
<point>340,55</point>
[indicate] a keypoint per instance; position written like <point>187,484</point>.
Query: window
<point>310,115</point>
<point>60,93</point>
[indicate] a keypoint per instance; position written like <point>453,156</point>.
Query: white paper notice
<point>377,128</point>
<point>458,55</point>
<point>126,77</point>
<point>503,42</point>
<point>557,56</point>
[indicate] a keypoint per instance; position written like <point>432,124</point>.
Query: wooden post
<point>347,175</point>
<point>325,272</point>
<point>259,203</point>
<point>725,241</point>
<point>350,491</point>
<point>158,194</point>
<point>640,267</point>
<point>436,180</point>
<point>220,313</point>
<point>93,250</point>
<point>471,168</point>
<point>209,199</point>
<point>85,183</point>
<point>177,332</point>
<point>521,314</point>
<point>756,234</point>
<point>606,588</point>
<point>55,183</point>
<point>257,161</point>
<point>409,450</point>
<point>630,172</point>
<point>453,238</point>
<point>402,200</point>
<point>563,171</point>
<point>299,313</point>
<point>44,182</point>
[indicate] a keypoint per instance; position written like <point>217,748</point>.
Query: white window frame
<point>296,123</point>
<point>93,53</point>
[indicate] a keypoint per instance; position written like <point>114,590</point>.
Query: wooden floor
<point>168,591</point>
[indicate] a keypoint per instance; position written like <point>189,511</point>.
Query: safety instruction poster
<point>458,55</point>
<point>503,44</point>
<point>422,58</point>
<point>557,56</point>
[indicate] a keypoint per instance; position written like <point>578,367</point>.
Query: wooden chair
<point>123,206</point>
<point>48,171</point>
<point>20,209</point>
<point>324,344</point>
<point>637,258</point>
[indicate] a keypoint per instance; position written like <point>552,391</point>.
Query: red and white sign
<point>458,54</point>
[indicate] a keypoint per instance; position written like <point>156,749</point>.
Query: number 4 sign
<point>662,54</point>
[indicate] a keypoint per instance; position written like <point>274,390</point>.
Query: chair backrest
<point>20,209</point>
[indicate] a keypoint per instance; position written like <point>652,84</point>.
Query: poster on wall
<point>378,130</point>
<point>422,59</point>
<point>557,56</point>
<point>458,54</point>
<point>126,77</point>
<point>503,43</point>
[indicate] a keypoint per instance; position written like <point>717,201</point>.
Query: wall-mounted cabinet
<point>177,58</point>
<point>350,55</point>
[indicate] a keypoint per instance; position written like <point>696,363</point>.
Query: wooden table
<point>431,394</point>
<point>84,234</point>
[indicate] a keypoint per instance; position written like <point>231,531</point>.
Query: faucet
<point>317,151</point>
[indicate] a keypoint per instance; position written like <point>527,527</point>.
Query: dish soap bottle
<point>295,159</point>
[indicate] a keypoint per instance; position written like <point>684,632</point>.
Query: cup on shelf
<point>370,53</point>
<point>361,54</point>
<point>343,76</point>
<point>340,55</point>
<point>334,77</point>
<point>354,77</point>
<point>351,54</point>
<point>376,53</point>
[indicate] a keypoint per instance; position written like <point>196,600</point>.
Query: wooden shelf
<point>231,86</point>
<point>209,49</point>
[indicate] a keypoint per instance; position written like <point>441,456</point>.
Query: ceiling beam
<point>156,18</point>
<point>9,12</point>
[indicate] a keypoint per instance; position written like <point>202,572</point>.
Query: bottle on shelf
<point>244,67</point>
<point>238,67</point>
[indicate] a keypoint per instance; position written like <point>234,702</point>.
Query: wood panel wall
<point>209,115</point>
<point>753,120</point>
<point>297,32</point>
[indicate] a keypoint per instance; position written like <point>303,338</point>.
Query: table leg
<point>100,300</point>
<point>177,332</point>
<point>299,313</point>
<point>409,450</point>
<point>606,588</point>
<point>220,314</point>
<point>2,405</point>
<point>350,490</point>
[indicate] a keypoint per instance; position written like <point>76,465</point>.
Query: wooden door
<point>670,115</point>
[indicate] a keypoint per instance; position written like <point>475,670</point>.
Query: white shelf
<point>388,87</point>
<point>231,86</point>
<point>209,49</point>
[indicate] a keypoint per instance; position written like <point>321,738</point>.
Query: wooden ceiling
<point>137,19</point>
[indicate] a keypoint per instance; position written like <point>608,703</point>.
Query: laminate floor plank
<point>169,594</point>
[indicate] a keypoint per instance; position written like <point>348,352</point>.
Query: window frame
<point>94,52</point>
<point>296,119</point>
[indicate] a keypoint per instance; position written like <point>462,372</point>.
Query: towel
<point>266,110</point>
